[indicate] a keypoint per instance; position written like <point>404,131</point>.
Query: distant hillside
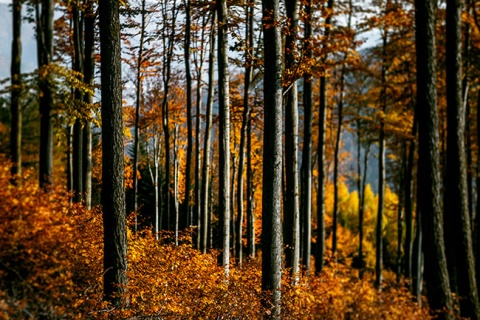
<point>29,56</point>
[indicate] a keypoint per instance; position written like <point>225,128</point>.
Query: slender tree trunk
<point>381,169</point>
<point>113,193</point>
<point>409,204</point>
<point>322,120</point>
<point>250,195</point>
<point>188,77</point>
<point>272,155</point>
<point>77,145</point>
<point>245,120</point>
<point>429,188</point>
<point>16,102</point>
<point>456,189</point>
<point>292,209</point>
<point>417,259</point>
<point>306,168</point>
<point>45,53</point>
<point>89,73</point>
<point>205,224</point>
<point>138,103</point>
<point>400,216</point>
<point>175,183</point>
<point>233,234</point>
<point>224,132</point>
<point>361,209</point>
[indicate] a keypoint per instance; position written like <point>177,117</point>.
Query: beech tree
<point>113,192</point>
<point>272,155</point>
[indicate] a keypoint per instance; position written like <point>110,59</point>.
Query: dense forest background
<point>239,159</point>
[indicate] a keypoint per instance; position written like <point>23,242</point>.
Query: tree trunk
<point>306,168</point>
<point>272,155</point>
<point>250,195</point>
<point>224,132</point>
<point>245,121</point>
<point>429,185</point>
<point>409,203</point>
<point>322,120</point>
<point>188,76</point>
<point>205,223</point>
<point>292,210</point>
<point>361,209</point>
<point>45,53</point>
<point>456,190</point>
<point>175,183</point>
<point>15,102</point>
<point>381,169</point>
<point>113,193</point>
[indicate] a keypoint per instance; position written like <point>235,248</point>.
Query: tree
<point>428,190</point>
<point>113,193</point>
<point>15,102</point>
<point>224,132</point>
<point>188,73</point>
<point>44,31</point>
<point>457,213</point>
<point>292,210</point>
<point>272,155</point>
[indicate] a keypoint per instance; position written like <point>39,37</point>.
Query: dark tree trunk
<point>250,195</point>
<point>306,168</point>
<point>292,210</point>
<point>456,214</point>
<point>113,193</point>
<point>188,76</point>
<point>272,155</point>
<point>224,132</point>
<point>245,121</point>
<point>429,185</point>
<point>361,209</point>
<point>381,169</point>
<point>44,30</point>
<point>77,145</point>
<point>206,221</point>
<point>15,102</point>
<point>409,203</point>
<point>322,120</point>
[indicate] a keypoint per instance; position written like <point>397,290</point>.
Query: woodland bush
<point>51,264</point>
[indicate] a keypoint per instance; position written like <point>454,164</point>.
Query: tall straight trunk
<point>361,212</point>
<point>292,209</point>
<point>154,176</point>
<point>205,223</point>
<point>113,193</point>
<point>15,99</point>
<point>456,189</point>
<point>409,203</point>
<point>138,103</point>
<point>272,156</point>
<point>44,29</point>
<point>429,185</point>
<point>175,183</point>
<point>198,194</point>
<point>245,120</point>
<point>417,259</point>
<point>250,195</point>
<point>188,76</point>
<point>322,120</point>
<point>400,216</point>
<point>306,168</point>
<point>224,132</point>
<point>476,236</point>
<point>77,145</point>
<point>381,169</point>
<point>233,234</point>
<point>89,74</point>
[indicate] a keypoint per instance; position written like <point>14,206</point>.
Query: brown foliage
<point>51,267</point>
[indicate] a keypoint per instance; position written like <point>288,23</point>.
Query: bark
<point>361,209</point>
<point>400,217</point>
<point>15,102</point>
<point>272,155</point>
<point>188,76</point>
<point>409,204</point>
<point>224,132</point>
<point>77,145</point>
<point>322,120</point>
<point>44,30</point>
<point>292,210</point>
<point>175,183</point>
<point>205,223</point>
<point>429,188</point>
<point>138,103</point>
<point>306,168</point>
<point>456,214</point>
<point>113,193</point>
<point>250,195</point>
<point>381,170</point>
<point>245,121</point>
